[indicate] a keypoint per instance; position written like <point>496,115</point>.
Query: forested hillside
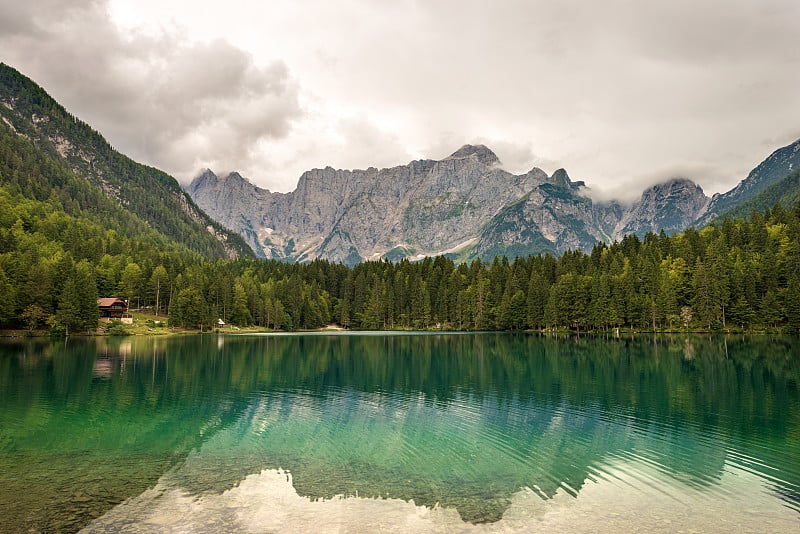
<point>64,243</point>
<point>80,221</point>
<point>786,192</point>
<point>70,145</point>
<point>738,275</point>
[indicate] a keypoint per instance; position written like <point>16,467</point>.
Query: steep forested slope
<point>153,196</point>
<point>63,242</point>
<point>772,170</point>
<point>785,192</point>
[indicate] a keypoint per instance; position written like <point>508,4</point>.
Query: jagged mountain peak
<point>236,177</point>
<point>481,152</point>
<point>207,175</point>
<point>208,179</point>
<point>671,205</point>
<point>465,207</point>
<point>562,179</point>
<point>673,184</point>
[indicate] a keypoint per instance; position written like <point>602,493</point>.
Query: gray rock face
<point>556,217</point>
<point>483,154</point>
<point>671,206</point>
<point>233,201</point>
<point>424,208</point>
<point>465,205</point>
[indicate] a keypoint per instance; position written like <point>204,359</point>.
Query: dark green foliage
<point>786,193</point>
<point>64,242</point>
<point>116,328</point>
<point>190,309</point>
<point>61,155</point>
<point>77,303</point>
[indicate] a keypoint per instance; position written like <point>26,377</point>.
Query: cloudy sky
<point>622,93</point>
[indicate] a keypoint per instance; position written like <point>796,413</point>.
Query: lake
<point>370,432</point>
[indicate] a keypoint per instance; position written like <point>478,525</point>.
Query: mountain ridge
<point>152,195</point>
<point>464,205</point>
<point>773,169</point>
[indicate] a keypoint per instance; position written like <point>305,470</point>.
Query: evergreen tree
<point>536,300</point>
<point>157,281</point>
<point>703,305</point>
<point>131,283</point>
<point>68,313</point>
<point>85,284</point>
<point>7,298</point>
<point>517,311</point>
<point>240,315</point>
<point>770,312</point>
<point>792,300</point>
<point>189,309</point>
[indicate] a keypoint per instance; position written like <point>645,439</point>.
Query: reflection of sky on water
<point>629,498</point>
<point>470,454</point>
<point>475,425</point>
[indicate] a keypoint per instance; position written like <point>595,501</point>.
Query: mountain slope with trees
<point>63,243</point>
<point>786,192</point>
<point>155,197</point>
<point>65,240</point>
<point>769,172</point>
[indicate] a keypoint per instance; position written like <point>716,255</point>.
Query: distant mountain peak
<point>672,184</point>
<point>465,208</point>
<point>560,177</point>
<point>481,152</point>
<point>206,174</point>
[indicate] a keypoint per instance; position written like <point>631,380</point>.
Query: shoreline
<point>335,329</point>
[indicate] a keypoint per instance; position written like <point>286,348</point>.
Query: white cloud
<point>620,93</point>
<point>162,99</point>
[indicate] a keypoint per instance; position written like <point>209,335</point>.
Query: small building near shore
<point>112,308</point>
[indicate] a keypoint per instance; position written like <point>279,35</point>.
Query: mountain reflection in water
<point>461,422</point>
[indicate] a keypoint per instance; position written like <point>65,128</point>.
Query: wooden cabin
<point>112,308</point>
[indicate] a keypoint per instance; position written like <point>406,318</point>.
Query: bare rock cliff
<point>465,205</point>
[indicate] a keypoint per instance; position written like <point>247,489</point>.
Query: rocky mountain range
<point>465,206</point>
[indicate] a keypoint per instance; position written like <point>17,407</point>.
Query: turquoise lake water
<point>404,432</point>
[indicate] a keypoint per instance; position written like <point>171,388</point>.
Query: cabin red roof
<point>107,302</point>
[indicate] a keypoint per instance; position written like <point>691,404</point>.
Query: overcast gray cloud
<point>621,93</point>
<point>162,99</point>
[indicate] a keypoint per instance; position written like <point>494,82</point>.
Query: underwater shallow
<point>423,432</point>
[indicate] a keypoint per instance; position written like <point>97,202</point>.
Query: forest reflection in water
<point>462,421</point>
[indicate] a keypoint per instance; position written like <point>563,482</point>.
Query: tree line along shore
<point>737,275</point>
